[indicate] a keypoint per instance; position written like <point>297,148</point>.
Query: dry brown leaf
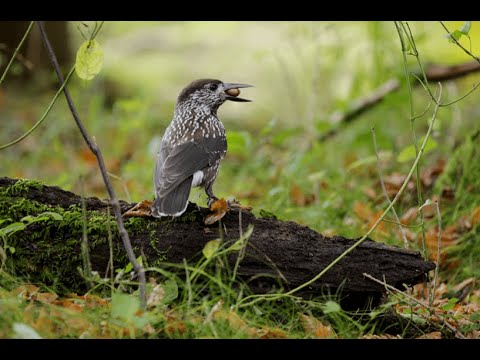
<point>383,336</point>
<point>268,333</point>
<point>26,291</point>
<point>298,196</point>
<point>94,301</point>
<point>156,296</point>
<point>432,335</point>
<point>369,192</point>
<point>476,216</point>
<point>316,328</point>
<point>218,210</point>
<point>142,209</point>
<point>46,298</point>
<point>69,304</point>
<point>174,323</point>
<point>475,334</point>
<point>88,157</point>
<point>409,216</point>
<point>234,320</point>
<point>429,175</point>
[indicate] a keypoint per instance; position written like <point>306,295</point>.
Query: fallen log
<point>278,253</point>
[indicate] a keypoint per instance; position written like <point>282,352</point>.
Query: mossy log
<point>278,253</point>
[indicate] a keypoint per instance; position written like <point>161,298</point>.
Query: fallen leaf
<point>429,175</point>
<point>298,196</point>
<point>218,210</point>
<point>476,216</point>
<point>156,296</point>
<point>316,328</point>
<point>475,334</point>
<point>26,291</point>
<point>174,324</point>
<point>268,333</point>
<point>383,336</point>
<point>432,335</point>
<point>409,216</point>
<point>142,209</point>
<point>46,298</point>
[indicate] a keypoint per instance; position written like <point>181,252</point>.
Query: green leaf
<point>89,60</point>
<point>265,214</point>
<point>170,289</point>
<point>211,247</point>
<point>475,317</point>
<point>465,29</point>
<point>12,228</point>
<point>450,304</point>
<point>408,153</point>
<point>53,215</point>
<point>331,307</point>
<point>124,306</point>
<point>455,35</point>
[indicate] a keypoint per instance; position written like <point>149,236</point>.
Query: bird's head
<point>210,93</point>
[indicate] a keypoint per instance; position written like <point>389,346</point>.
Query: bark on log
<point>285,252</point>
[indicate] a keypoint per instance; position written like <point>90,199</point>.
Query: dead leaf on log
<point>218,210</point>
<point>142,209</point>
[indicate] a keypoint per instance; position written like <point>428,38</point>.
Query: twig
<point>257,298</point>
<point>439,241</point>
<point>401,31</point>
<point>458,44</point>
<point>431,310</point>
<point>16,51</point>
<point>434,73</point>
<point>382,183</point>
<point>96,151</point>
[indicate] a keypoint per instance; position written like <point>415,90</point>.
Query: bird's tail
<point>175,202</point>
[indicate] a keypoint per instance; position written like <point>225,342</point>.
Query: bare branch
<point>96,151</point>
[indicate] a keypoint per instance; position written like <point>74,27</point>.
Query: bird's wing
<point>176,164</point>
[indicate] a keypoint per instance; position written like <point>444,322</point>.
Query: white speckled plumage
<point>192,147</point>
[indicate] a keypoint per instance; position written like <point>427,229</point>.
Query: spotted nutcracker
<point>193,145</point>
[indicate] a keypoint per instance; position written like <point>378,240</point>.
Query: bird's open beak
<point>228,86</point>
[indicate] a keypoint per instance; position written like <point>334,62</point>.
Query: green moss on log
<point>49,251</point>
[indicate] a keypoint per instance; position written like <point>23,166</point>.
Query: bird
<point>192,146</point>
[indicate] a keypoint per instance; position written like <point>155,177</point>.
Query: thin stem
<point>382,183</point>
<point>257,298</point>
<point>96,151</point>
<point>16,51</point>
<point>44,116</point>
<point>437,261</point>
<point>458,44</point>
<point>430,309</point>
<point>412,123</point>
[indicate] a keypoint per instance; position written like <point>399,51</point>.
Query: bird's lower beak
<point>231,86</point>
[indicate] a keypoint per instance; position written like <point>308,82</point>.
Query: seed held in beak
<point>233,92</point>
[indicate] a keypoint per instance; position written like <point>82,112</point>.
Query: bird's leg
<point>211,198</point>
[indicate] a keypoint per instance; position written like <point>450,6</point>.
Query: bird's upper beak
<point>228,86</point>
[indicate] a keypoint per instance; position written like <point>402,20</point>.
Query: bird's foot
<point>142,209</point>
<point>220,207</point>
<point>211,200</point>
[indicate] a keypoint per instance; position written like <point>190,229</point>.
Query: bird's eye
<point>213,87</point>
